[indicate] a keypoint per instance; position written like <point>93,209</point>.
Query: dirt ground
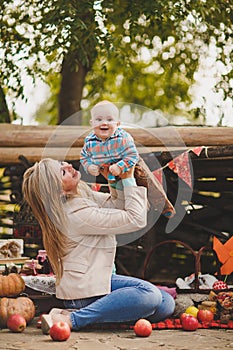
<point>33,339</point>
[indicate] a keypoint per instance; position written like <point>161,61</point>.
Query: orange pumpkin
<point>11,285</point>
<point>21,305</point>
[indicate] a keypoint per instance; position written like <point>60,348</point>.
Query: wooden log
<point>220,202</point>
<point>35,142</point>
<point>10,155</point>
<point>212,167</point>
<point>72,135</point>
<point>217,185</point>
<point>208,152</point>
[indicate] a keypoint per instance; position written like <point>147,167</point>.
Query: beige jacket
<point>91,244</point>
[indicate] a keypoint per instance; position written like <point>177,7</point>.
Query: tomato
<point>143,328</point>
<point>188,322</point>
<point>205,316</point>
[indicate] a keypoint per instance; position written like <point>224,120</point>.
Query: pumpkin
<point>21,305</point>
<point>11,285</point>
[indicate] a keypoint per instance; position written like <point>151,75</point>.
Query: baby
<point>111,146</point>
<point>108,144</point>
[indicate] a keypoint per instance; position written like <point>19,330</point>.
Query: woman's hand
<point>115,169</point>
<point>128,174</point>
<point>104,171</point>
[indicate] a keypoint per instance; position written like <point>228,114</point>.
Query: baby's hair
<point>105,107</point>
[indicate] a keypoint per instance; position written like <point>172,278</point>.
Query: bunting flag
<point>96,187</point>
<point>180,165</point>
<point>197,150</point>
<point>158,173</point>
<point>225,255</point>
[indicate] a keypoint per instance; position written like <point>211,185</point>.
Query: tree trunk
<point>4,112</point>
<point>71,91</point>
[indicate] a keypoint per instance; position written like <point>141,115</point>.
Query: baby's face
<point>104,126</point>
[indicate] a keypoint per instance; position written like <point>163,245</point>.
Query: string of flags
<point>180,165</point>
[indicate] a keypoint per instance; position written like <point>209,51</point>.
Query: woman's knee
<point>151,296</point>
<point>169,303</point>
<point>165,309</point>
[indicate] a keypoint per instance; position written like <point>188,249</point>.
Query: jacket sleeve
<point>114,199</point>
<point>93,220</point>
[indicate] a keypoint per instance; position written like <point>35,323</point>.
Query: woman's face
<point>70,178</point>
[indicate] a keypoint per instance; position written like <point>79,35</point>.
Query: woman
<point>78,229</point>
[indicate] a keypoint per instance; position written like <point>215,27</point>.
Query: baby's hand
<point>115,169</point>
<point>93,170</point>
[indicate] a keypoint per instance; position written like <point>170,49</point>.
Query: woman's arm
<point>114,199</point>
<point>92,220</point>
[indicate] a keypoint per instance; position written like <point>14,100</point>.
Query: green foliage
<point>47,112</point>
<point>109,38</point>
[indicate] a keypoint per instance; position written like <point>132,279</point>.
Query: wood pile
<point>35,142</point>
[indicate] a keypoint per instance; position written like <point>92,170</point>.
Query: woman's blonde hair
<point>42,189</point>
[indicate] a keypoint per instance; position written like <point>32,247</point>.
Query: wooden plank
<point>34,154</point>
<point>208,152</point>
<point>10,155</point>
<point>212,167</point>
<point>73,135</point>
<point>218,185</point>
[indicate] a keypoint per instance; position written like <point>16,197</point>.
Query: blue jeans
<point>130,299</point>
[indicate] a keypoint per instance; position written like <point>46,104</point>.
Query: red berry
<point>218,285</point>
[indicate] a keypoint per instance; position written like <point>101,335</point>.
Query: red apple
<point>16,323</point>
<point>188,322</point>
<point>205,316</point>
<point>143,328</point>
<point>60,331</point>
<point>183,315</point>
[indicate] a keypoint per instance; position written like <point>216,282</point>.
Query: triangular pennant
<point>197,150</point>
<point>158,173</point>
<point>172,166</point>
<point>96,187</point>
<point>180,165</point>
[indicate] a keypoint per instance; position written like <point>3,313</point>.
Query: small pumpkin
<point>21,305</point>
<point>11,285</point>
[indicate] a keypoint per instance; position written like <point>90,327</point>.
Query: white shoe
<point>55,311</point>
<point>46,323</point>
<point>54,316</point>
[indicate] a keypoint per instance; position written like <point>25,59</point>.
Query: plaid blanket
<point>170,323</point>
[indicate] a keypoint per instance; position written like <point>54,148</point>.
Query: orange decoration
<point>225,255</point>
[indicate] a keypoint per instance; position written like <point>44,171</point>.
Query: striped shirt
<point>118,149</point>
